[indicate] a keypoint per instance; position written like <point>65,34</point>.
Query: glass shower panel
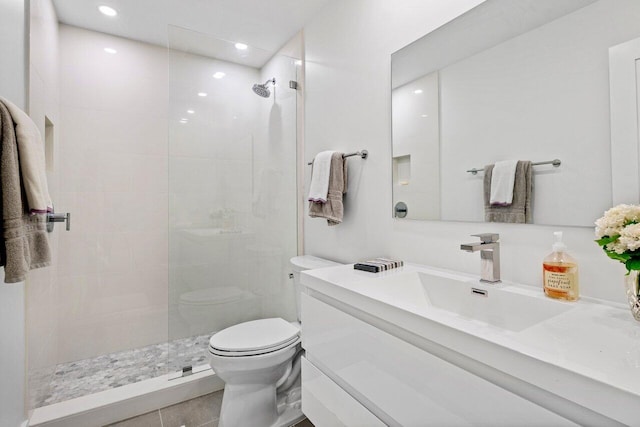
<point>232,190</point>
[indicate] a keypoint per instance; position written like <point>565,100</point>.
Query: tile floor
<point>202,411</point>
<point>69,380</point>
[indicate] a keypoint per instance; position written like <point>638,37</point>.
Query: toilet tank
<point>306,262</point>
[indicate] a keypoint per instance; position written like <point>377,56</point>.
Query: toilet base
<point>267,408</point>
<point>290,407</point>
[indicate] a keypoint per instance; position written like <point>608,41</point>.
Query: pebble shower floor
<point>75,379</point>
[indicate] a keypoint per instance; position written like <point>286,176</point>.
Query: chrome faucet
<point>489,248</point>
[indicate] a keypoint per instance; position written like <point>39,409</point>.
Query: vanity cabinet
<point>357,374</point>
<point>327,404</point>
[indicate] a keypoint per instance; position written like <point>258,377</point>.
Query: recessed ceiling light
<point>110,50</point>
<point>218,75</point>
<point>298,62</point>
<point>190,111</point>
<point>424,115</point>
<point>106,10</point>
<point>203,94</point>
<point>241,46</point>
<point>417,91</point>
<point>184,121</point>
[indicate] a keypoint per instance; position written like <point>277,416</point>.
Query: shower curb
<point>124,402</point>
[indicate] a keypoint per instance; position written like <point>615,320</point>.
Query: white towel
<point>502,181</point>
<point>321,168</point>
<point>32,163</point>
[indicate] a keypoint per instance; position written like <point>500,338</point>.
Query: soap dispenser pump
<point>560,272</point>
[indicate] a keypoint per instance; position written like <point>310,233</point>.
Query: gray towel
<point>333,209</point>
<point>32,163</point>
<point>519,211</point>
<point>24,236</point>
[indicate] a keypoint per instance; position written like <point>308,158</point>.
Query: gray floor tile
<point>151,419</point>
<point>194,412</point>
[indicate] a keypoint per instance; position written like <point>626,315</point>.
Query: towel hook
<point>52,218</point>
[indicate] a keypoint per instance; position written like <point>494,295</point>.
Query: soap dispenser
<point>560,272</point>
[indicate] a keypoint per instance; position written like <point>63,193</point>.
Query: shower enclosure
<point>232,190</point>
<point>182,185</point>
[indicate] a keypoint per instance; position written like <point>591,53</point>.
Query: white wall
<point>348,47</point>
<point>14,42</point>
<point>41,289</point>
<point>275,151</point>
<point>12,356</point>
<point>13,83</point>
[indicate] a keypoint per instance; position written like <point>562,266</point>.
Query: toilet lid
<point>255,336</point>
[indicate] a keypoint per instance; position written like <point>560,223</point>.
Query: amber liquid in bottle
<point>561,279</point>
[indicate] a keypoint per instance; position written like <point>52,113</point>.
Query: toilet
<point>259,361</point>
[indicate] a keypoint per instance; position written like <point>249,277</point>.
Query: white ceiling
<point>263,24</point>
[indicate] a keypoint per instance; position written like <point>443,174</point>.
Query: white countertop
<point>589,354</point>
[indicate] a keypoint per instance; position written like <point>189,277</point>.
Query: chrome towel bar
<point>555,162</point>
<point>363,154</point>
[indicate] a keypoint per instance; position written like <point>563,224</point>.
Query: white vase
<point>632,288</point>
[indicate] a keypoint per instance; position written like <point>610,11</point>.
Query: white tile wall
<point>41,285</point>
<point>114,175</point>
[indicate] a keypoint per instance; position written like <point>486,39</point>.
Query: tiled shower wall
<point>112,269</point>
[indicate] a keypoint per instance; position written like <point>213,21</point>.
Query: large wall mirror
<point>511,80</point>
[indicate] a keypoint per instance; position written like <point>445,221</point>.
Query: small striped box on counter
<point>378,264</point>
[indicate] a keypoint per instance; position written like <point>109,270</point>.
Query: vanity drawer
<point>326,404</point>
<point>403,385</point>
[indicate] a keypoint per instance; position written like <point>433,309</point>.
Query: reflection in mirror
<point>416,142</point>
<point>524,80</point>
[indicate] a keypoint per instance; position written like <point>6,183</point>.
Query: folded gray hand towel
<point>333,209</point>
<point>519,211</point>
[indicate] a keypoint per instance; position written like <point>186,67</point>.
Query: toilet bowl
<point>259,361</point>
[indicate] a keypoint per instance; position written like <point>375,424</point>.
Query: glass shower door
<point>232,191</point>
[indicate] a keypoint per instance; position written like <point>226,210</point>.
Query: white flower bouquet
<point>618,233</point>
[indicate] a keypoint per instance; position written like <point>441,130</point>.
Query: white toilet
<point>259,361</point>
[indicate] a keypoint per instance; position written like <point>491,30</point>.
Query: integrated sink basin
<point>504,306</point>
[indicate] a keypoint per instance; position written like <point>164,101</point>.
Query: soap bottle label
<point>558,281</point>
<point>561,280</point>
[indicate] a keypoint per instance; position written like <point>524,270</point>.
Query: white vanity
<point>420,346</point>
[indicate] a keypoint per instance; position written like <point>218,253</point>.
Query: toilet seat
<point>225,353</point>
<point>254,338</point>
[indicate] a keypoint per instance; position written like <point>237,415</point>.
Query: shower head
<point>262,89</point>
